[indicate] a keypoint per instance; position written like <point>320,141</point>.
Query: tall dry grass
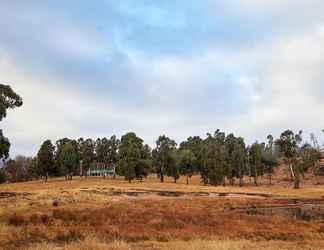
<point>92,243</point>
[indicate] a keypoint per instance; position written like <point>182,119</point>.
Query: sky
<point>153,67</point>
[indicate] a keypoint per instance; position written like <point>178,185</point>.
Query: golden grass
<point>59,184</point>
<point>99,207</point>
<point>91,243</point>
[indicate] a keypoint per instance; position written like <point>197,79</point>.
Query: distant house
<point>102,169</point>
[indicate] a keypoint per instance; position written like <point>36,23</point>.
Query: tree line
<point>219,158</point>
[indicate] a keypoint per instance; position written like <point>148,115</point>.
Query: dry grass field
<point>97,213</point>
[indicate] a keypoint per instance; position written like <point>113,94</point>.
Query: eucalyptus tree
<point>214,162</point>
<point>308,156</point>
<point>239,160</point>
<point>102,149</point>
<point>236,158</point>
<point>45,159</point>
<point>289,147</point>
<point>255,162</point>
<point>194,144</point>
<point>187,161</point>
<point>164,157</point>
<point>8,100</point>
<point>86,149</point>
<point>59,169</point>
<point>269,159</point>
<point>69,159</point>
<point>129,155</point>
<point>4,146</point>
<point>113,144</point>
<point>107,150</point>
<point>144,165</point>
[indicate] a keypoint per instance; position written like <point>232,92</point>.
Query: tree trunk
<point>175,180</point>
<point>187,179</point>
<point>241,182</point>
<point>292,174</point>
<point>161,178</point>
<point>255,180</point>
<point>297,181</point>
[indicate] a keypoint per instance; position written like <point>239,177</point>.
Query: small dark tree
<point>4,147</point>
<point>172,165</point>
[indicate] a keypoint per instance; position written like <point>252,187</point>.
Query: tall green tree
<point>240,160</point>
<point>194,144</point>
<point>213,159</point>
<point>187,161</point>
<point>255,162</point>
<point>129,155</point>
<point>59,169</point>
<point>45,159</point>
<point>87,153</point>
<point>268,158</point>
<point>8,100</point>
<point>107,150</point>
<point>163,156</point>
<point>289,147</point>
<point>236,158</point>
<point>69,160</point>
<point>172,165</point>
<point>143,168</point>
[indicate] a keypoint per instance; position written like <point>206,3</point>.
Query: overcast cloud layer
<point>181,68</point>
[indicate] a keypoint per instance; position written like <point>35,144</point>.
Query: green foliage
<point>143,168</point>
<point>255,161</point>
<point>107,150</point>
<point>69,159</point>
<point>164,158</point>
<point>213,157</point>
<point>130,156</point>
<point>32,169</point>
<point>8,100</point>
<point>187,161</point>
<point>45,158</point>
<point>308,158</point>
<point>86,152</point>
<point>289,147</point>
<point>3,176</point>
<point>4,146</point>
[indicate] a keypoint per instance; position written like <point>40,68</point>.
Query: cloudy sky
<point>178,67</point>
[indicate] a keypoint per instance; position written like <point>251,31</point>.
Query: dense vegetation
<point>219,158</point>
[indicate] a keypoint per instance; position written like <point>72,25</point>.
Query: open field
<point>97,213</point>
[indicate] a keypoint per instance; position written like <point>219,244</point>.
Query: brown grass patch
<point>143,220</point>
